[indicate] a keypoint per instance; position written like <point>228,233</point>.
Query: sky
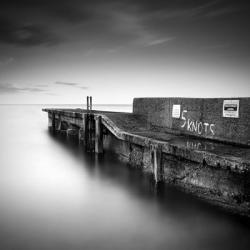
<point>60,51</point>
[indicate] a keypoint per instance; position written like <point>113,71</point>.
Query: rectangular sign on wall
<point>176,111</point>
<point>231,108</point>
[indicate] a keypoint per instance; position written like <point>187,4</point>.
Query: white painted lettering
<point>189,127</point>
<point>200,128</point>
<point>194,125</point>
<point>212,128</point>
<point>183,118</point>
<point>197,126</point>
<point>206,125</point>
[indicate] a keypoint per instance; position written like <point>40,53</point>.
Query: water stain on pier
<point>55,196</point>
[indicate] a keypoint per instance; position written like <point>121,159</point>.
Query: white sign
<point>176,111</point>
<point>231,108</point>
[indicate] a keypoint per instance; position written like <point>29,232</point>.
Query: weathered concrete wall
<point>198,117</point>
<point>216,185</point>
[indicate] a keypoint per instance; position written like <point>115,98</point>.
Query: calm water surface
<point>54,196</point>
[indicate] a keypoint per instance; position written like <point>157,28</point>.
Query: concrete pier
<point>98,135</point>
<point>156,154</point>
<point>53,122</point>
<point>198,145</point>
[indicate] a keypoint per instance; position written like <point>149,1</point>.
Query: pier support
<point>89,129</point>
<point>81,135</point>
<point>156,153</point>
<point>98,135</point>
<point>59,126</point>
<point>86,130</point>
<point>53,122</point>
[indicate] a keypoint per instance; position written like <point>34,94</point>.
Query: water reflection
<point>55,196</point>
<point>184,216</point>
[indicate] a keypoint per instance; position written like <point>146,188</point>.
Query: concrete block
<point>200,117</point>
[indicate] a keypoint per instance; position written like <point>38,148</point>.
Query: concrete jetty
<point>199,145</point>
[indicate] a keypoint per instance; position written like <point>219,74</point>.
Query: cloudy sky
<point>60,51</point>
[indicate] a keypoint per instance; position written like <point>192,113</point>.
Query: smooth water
<point>55,196</point>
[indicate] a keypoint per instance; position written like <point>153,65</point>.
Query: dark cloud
<point>78,85</point>
<point>25,35</point>
<point>188,5</point>
<point>78,10</point>
<point>30,89</point>
<point>71,11</point>
<point>66,83</point>
<point>114,23</point>
<point>30,23</point>
<point>10,88</point>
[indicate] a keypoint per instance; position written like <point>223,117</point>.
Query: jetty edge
<point>201,145</point>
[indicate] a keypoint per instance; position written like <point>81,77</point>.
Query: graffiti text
<point>197,126</point>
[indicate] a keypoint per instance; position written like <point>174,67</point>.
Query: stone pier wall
<point>216,185</point>
<point>224,181</point>
<point>221,119</point>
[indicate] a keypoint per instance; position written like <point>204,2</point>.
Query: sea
<point>54,195</point>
